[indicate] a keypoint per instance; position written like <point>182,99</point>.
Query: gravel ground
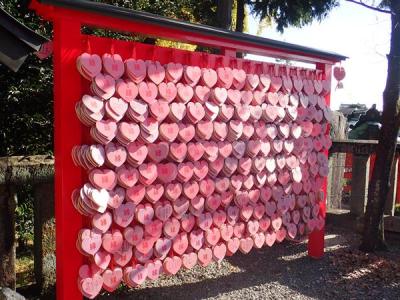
<point>284,272</point>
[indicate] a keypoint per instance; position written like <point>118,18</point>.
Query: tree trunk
<point>224,14</point>
<point>373,235</point>
<point>240,16</point>
<point>240,21</point>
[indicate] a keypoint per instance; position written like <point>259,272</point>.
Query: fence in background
<point>362,157</point>
<point>15,172</point>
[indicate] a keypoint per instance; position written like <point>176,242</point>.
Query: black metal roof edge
<point>124,13</point>
<point>28,36</point>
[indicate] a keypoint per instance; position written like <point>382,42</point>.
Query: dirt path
<point>284,272</point>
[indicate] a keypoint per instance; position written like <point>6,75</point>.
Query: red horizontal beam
<point>154,30</point>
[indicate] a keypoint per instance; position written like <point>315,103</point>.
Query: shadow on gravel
<point>285,264</point>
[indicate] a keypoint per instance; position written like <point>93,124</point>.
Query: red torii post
<point>68,17</point>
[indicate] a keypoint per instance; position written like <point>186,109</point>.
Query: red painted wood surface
<point>371,165</point>
<point>67,132</point>
<point>68,44</point>
<point>347,172</point>
<point>398,186</point>
<point>316,240</point>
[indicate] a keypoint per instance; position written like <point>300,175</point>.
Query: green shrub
<point>25,217</point>
<point>397,210</point>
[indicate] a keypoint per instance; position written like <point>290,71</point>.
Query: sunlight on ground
<point>294,256</point>
<point>360,272</point>
<point>330,236</point>
<point>329,239</point>
<point>24,270</point>
<point>195,275</point>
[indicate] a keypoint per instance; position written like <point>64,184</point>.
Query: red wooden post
<point>316,240</point>
<point>371,165</point>
<point>398,186</point>
<point>229,52</point>
<point>68,132</point>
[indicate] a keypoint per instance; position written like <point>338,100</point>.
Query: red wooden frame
<point>69,43</point>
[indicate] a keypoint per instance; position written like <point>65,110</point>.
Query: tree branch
<point>370,6</point>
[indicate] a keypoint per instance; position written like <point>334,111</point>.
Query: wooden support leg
<point>44,239</point>
<point>316,244</point>
<point>336,173</point>
<point>359,184</point>
<point>8,201</point>
<point>316,240</point>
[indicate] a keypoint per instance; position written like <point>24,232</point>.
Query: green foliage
<point>188,10</point>
<point>234,15</point>
<point>263,24</point>
<point>19,10</point>
<point>27,96</point>
<point>397,210</point>
<point>24,216</point>
<point>291,13</point>
<point>26,110</point>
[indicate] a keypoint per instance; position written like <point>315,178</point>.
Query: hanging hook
<point>133,52</point>
<point>112,47</point>
<point>88,46</point>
